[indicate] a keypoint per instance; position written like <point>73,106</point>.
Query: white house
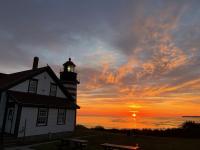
<point>36,102</point>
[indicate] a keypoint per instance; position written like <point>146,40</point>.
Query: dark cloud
<point>36,26</point>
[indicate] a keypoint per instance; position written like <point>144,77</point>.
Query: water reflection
<point>133,122</point>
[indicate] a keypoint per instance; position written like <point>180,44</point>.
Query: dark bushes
<point>190,125</point>
<point>187,129</point>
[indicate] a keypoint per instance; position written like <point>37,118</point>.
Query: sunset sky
<point>131,55</point>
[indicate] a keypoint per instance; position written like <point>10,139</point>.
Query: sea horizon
<point>119,122</point>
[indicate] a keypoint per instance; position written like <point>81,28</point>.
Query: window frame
<point>53,84</point>
<point>30,84</point>
<point>10,114</point>
<point>47,117</point>
<point>65,114</point>
<point>70,68</point>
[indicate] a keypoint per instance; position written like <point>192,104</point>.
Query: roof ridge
<point>27,70</point>
<point>14,78</point>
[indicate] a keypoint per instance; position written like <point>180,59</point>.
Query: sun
<point>134,115</point>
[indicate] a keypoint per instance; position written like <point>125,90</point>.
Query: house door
<point>9,120</point>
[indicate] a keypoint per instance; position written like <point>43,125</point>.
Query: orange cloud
<point>147,80</point>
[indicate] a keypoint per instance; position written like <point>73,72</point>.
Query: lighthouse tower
<point>68,78</point>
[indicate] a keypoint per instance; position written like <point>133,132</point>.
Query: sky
<point>131,56</point>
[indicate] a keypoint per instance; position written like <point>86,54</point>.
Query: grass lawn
<point>96,138</point>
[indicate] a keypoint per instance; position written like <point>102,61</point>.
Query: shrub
<point>190,125</point>
<point>99,128</point>
<point>79,126</point>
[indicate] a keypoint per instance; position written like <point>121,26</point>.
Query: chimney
<point>35,63</point>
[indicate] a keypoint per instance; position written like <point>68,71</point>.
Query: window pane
<point>33,86</point>
<point>61,116</point>
<point>53,90</point>
<point>10,114</point>
<point>42,117</point>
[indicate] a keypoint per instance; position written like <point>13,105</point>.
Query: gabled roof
<point>13,79</point>
<point>30,99</point>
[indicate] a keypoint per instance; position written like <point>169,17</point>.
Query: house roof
<point>10,80</point>
<point>30,99</point>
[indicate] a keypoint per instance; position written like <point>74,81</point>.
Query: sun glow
<point>134,115</point>
<point>135,106</point>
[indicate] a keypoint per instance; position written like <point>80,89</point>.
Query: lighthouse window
<point>53,89</point>
<point>68,69</point>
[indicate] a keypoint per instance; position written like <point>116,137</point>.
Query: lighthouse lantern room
<point>68,78</point>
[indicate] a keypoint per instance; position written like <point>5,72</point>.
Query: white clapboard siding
<point>44,81</point>
<point>31,129</point>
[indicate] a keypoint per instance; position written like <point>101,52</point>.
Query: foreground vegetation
<point>188,129</point>
<point>99,135</point>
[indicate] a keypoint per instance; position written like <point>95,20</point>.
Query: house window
<point>10,114</point>
<point>61,116</point>
<point>33,86</point>
<point>42,118</point>
<point>53,89</point>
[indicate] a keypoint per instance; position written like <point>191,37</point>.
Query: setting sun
<point>134,115</point>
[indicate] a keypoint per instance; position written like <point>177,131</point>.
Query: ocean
<point>139,123</point>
